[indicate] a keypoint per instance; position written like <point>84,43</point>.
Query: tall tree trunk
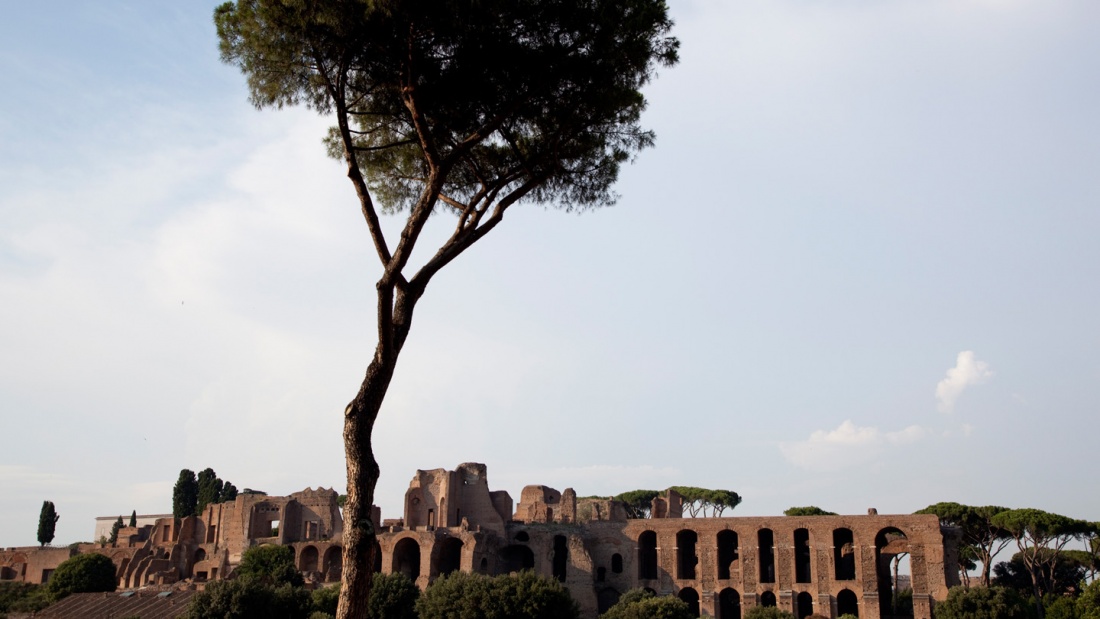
<point>360,531</point>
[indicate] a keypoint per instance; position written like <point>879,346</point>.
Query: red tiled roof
<point>144,604</point>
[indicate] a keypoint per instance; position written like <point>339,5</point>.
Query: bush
<point>982,603</point>
<point>271,564</point>
<point>392,596</point>
<point>22,597</point>
<point>1060,608</point>
<point>848,616</point>
<point>642,604</point>
<point>87,573</point>
<point>250,597</point>
<point>768,612</point>
<point>325,600</point>
<point>515,596</point>
<point>1088,604</point>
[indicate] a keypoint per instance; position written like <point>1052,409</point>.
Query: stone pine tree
<point>133,518</point>
<point>47,521</point>
<point>185,495</point>
<point>466,107</point>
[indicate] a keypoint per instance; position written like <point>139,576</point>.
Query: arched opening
<point>307,559</point>
<point>766,547</point>
<point>200,555</point>
<point>516,558</point>
<point>617,563</point>
<point>450,556</point>
<point>846,603</point>
<point>647,556</point>
<point>805,605</point>
<point>727,554</point>
<point>691,598</point>
<point>483,567</point>
<point>561,556</point>
<point>844,555</point>
<point>685,555</point>
<point>891,551</point>
<point>406,558</point>
<point>729,604</point>
<point>522,536</point>
<point>607,598</point>
<point>767,598</point>
<point>333,562</point>
<point>802,556</point>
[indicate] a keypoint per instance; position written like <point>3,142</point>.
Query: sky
<point>858,269</point>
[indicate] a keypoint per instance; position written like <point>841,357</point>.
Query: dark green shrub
<point>393,596</point>
<point>325,599</point>
<point>982,603</point>
<point>22,597</point>
<point>271,564</point>
<point>642,604</point>
<point>768,612</point>
<point>515,596</point>
<point>250,598</point>
<point>87,573</point>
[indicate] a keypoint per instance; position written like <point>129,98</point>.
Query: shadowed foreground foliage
<point>86,573</point>
<point>514,596</point>
<point>642,604</point>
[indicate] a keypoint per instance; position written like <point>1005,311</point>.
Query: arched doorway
<point>691,598</point>
<point>647,556</point>
<point>729,604</point>
<point>406,558</point>
<point>450,556</point>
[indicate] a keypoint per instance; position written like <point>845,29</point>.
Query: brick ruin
<point>828,565</point>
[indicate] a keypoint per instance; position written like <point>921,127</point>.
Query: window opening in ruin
<point>729,604</point>
<point>846,603</point>
<point>685,554</point>
<point>200,576</point>
<point>767,599</point>
<point>46,576</point>
<point>274,530</point>
<point>167,532</point>
<point>450,556</point>
<point>647,556</point>
<point>891,552</point>
<point>307,560</point>
<point>515,558</point>
<point>431,517</point>
<point>727,554</point>
<point>484,566</point>
<point>522,536</point>
<point>691,598</point>
<point>601,574</point>
<point>211,533</point>
<point>802,556</point>
<point>561,556</point>
<point>406,558</point>
<point>333,564</point>
<point>805,605</point>
<point>213,573</point>
<point>766,547</point>
<point>617,563</point>
<point>200,555</point>
<point>844,555</point>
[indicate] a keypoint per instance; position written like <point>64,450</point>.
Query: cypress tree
<point>114,531</point>
<point>133,518</point>
<point>47,520</point>
<point>185,495</point>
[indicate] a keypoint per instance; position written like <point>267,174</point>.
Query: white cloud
<point>968,371</point>
<point>846,446</point>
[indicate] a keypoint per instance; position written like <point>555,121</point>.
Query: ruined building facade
<point>828,565</point>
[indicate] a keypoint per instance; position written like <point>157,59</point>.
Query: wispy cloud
<point>846,446</point>
<point>968,371</point>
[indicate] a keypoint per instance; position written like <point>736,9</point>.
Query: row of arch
<point>728,554</point>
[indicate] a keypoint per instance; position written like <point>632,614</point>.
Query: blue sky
<point>857,270</point>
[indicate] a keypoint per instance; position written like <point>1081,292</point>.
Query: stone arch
<point>200,555</point>
<point>765,547</point>
<point>844,554</point>
<point>686,558</point>
<point>729,604</point>
<point>805,605</point>
<point>802,556</point>
<point>307,559</point>
<point>450,556</point>
<point>332,565</point>
<point>891,544</point>
<point>406,558</point>
<point>647,555</point>
<point>727,554</point>
<point>767,598</point>
<point>847,603</point>
<point>691,598</point>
